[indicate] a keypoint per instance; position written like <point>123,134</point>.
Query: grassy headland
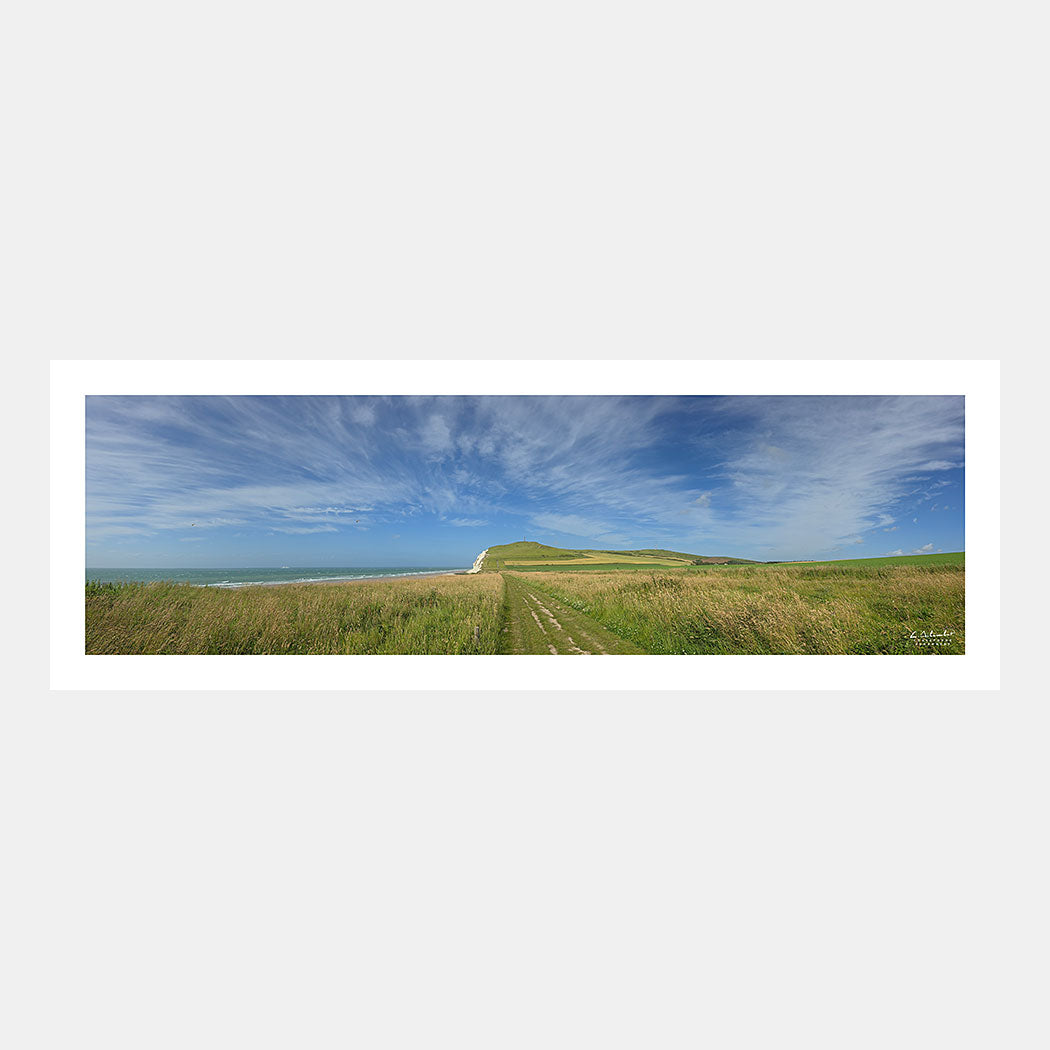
<point>527,555</point>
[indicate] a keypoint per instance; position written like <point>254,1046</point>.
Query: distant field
<point>599,557</point>
<point>595,566</point>
<point>957,558</point>
<point>435,615</point>
<point>677,556</point>
<point>528,556</point>
<point>865,606</point>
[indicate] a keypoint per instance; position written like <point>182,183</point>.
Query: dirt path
<point>537,623</point>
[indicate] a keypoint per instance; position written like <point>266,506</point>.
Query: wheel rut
<point>539,624</point>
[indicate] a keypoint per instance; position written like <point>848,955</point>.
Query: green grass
<point>437,615</point>
<point>866,606</point>
<point>857,606</point>
<point>498,556</point>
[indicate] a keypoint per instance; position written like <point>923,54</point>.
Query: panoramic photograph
<point>525,525</point>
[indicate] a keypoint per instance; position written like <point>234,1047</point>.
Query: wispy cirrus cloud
<point>810,474</point>
<point>787,477</point>
<point>303,530</point>
<point>571,524</point>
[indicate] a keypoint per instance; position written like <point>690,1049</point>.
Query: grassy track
<point>536,623</point>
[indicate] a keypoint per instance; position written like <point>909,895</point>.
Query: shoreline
<point>352,579</point>
<point>208,577</point>
<point>238,585</point>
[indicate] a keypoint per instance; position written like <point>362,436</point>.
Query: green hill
<point>527,555</point>
<point>529,550</point>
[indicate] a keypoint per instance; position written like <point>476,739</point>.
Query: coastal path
<point>537,623</point>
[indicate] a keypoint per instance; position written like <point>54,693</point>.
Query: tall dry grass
<point>436,615</point>
<point>797,609</point>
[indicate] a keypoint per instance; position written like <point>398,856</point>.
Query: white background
<point>978,381</point>
<point>475,181</point>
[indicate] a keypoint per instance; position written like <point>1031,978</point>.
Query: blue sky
<point>232,482</point>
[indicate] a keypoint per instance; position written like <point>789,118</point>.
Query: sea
<point>250,577</point>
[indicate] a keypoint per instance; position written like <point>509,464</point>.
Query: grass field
<point>437,615</point>
<point>679,556</point>
<point>870,606</point>
<point>608,558</point>
<point>592,566</point>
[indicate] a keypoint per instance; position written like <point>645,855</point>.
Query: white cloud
<point>436,436</point>
<point>302,530</point>
<point>571,524</point>
<point>925,549</point>
<point>467,523</point>
<point>362,413</point>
